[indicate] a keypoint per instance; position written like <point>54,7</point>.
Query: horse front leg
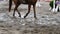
<point>19,13</point>
<point>34,11</point>
<point>29,6</point>
<point>17,10</point>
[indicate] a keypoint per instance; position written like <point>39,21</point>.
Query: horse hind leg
<point>29,6</point>
<point>16,6</point>
<point>14,12</point>
<point>19,13</point>
<point>34,11</point>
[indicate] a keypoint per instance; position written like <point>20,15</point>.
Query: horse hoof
<point>24,17</point>
<point>35,17</point>
<point>19,16</point>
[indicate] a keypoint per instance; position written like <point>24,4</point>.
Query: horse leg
<point>19,13</point>
<point>16,6</point>
<point>14,12</point>
<point>29,6</point>
<point>34,11</point>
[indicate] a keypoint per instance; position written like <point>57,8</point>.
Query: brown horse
<point>18,2</point>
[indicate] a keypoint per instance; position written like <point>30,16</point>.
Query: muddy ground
<point>47,22</point>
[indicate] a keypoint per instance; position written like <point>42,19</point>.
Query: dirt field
<point>47,22</point>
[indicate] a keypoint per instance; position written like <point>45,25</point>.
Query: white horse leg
<point>53,10</point>
<point>56,9</point>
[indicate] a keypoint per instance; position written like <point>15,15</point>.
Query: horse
<point>51,5</point>
<point>19,2</point>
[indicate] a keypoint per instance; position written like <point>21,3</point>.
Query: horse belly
<point>32,1</point>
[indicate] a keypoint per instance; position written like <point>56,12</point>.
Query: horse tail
<point>10,4</point>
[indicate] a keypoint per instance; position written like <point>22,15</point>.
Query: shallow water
<point>46,22</point>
